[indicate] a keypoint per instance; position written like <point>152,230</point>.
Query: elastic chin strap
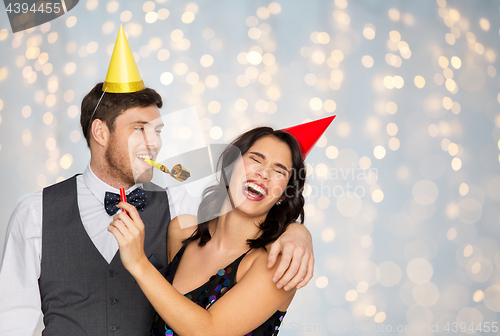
<point>93,113</point>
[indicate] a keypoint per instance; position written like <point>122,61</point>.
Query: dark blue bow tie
<point>137,198</point>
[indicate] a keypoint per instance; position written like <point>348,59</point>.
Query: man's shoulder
<point>68,181</point>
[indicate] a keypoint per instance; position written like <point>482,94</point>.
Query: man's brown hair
<point>112,105</point>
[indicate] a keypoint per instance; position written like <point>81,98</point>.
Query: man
<point>71,268</point>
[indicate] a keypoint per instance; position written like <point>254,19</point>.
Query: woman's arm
<point>245,307</point>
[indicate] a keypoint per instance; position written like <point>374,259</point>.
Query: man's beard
<point>122,168</point>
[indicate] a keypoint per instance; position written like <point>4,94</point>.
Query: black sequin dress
<point>208,293</point>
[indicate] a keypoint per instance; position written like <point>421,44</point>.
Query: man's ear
<point>100,132</point>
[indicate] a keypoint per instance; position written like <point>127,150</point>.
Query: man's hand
<point>297,261</point>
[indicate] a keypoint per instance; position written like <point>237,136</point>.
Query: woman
<point>265,194</point>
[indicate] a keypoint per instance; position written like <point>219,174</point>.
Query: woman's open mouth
<point>254,191</point>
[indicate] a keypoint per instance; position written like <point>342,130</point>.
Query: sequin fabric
<point>209,292</point>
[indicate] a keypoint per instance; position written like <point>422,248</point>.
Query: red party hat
<point>309,133</point>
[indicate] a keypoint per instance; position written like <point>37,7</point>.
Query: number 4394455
<point>44,7</point>
<point>462,327</point>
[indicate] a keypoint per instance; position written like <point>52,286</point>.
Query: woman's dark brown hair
<point>280,216</point>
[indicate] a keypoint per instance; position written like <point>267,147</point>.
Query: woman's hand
<point>128,230</point>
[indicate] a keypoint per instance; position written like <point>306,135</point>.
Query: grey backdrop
<point>403,191</point>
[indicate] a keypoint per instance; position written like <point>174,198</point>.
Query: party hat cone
<point>309,133</point>
<point>123,75</point>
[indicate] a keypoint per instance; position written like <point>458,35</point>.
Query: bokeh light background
<point>404,188</point>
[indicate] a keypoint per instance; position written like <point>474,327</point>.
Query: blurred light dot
<point>392,129</point>
<point>66,161</point>
<point>163,55</point>
<point>212,81</point>
<point>337,55</point>
<point>41,180</point>
<point>366,241</point>
<point>425,192</point>
<point>73,111</point>
<point>332,152</point>
<point>48,117</point>
<point>318,57</point>
<point>379,317</point>
<point>443,62</point>
<point>394,14</point>
<point>419,271</point>
<point>315,104</point>
<point>379,152</point>
<point>456,164</point>
<point>52,37</point>
<point>263,13</point>
<point>26,137</point>
<point>112,6</point>
<point>451,234</point>
<point>208,33</point>
<point>478,296</point>
<point>456,62</point>
<point>254,33</point>
<point>370,310</point>
<point>419,81</point>
<point>241,104</point>
<point>395,36</point>
<point>343,129</point>
<point>447,103</point>
<point>254,57</point>
<point>206,60</point>
<point>50,143</point>
<point>163,14</point>
<point>484,24</point>
<point>394,144</point>
<point>273,93</point>
<point>26,111</point>
<point>214,107</point>
<point>166,78</point>
<point>274,8</point>
<point>92,47</point>
<point>323,203</point>
<point>433,130</point>
<point>367,61</point>
<point>155,43</point>
<point>492,298</point>
<point>215,132</point>
<point>92,4</point>
<point>322,282</point>
<point>391,107</point>
<point>453,149</point>
<point>351,295</point>
<point>187,17</point>
<point>180,69</point>
<point>377,196</point>
<point>463,189</point>
<point>192,78</point>
<point>251,21</point>
<point>403,172</point>
<point>3,34</point>
<point>268,59</point>
<point>125,16</point>
<point>74,136</point>
<point>71,21</point>
<point>369,31</point>
<point>148,6</point>
<point>329,105</point>
<point>70,68</point>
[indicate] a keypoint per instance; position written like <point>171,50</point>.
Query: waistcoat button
<point>112,273</point>
<point>112,328</point>
<point>112,301</point>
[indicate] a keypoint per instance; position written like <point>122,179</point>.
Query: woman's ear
<point>100,132</point>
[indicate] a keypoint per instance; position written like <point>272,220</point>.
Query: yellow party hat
<point>123,75</point>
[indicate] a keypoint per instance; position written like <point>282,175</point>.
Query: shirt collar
<point>99,188</point>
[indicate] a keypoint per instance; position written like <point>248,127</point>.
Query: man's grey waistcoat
<point>81,293</point>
